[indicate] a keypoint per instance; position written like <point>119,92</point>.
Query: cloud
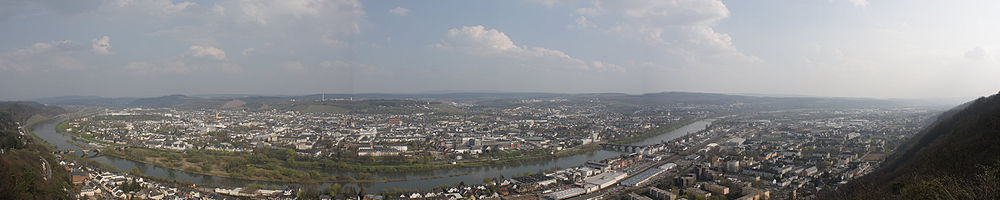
<point>978,53</point>
<point>161,8</point>
<point>218,9</point>
<point>399,11</point>
<point>545,2</point>
<point>859,3</point>
<point>326,21</point>
<point>43,57</point>
<point>207,51</point>
<point>479,41</point>
<point>196,58</point>
<point>328,41</point>
<point>582,22</point>
<point>45,47</point>
<point>683,27</point>
<point>101,45</point>
<point>28,8</point>
<point>264,12</point>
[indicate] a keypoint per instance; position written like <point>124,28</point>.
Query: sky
<point>838,48</point>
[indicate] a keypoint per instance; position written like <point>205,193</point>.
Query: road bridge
<point>628,148</point>
<point>86,152</point>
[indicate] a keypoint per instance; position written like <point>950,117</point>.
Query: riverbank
<point>29,126</point>
<point>313,177</point>
<point>273,170</point>
<point>253,167</point>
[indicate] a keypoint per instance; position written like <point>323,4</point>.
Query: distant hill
<point>957,157</point>
<point>23,110</point>
<point>486,98</point>
<point>86,101</point>
<point>691,98</point>
<point>164,101</point>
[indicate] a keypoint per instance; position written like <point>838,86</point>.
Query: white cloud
<point>44,47</point>
<point>399,11</point>
<point>101,45</point>
<point>582,22</point>
<point>859,3</point>
<point>683,27</point>
<point>264,11</point>
<point>25,9</point>
<point>207,51</point>
<point>218,9</point>
<point>43,57</point>
<point>154,7</point>
<point>321,20</point>
<point>328,41</point>
<point>545,2</point>
<point>479,41</point>
<point>197,58</point>
<point>979,53</point>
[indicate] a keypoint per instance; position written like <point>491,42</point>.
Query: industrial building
<point>603,180</point>
<point>643,178</point>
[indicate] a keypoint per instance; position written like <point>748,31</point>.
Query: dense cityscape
<point>737,153</point>
<point>499,100</point>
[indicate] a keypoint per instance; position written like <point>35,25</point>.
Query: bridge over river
<point>632,148</point>
<point>87,152</point>
<point>413,179</point>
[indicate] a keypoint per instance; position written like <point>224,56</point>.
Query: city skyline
<point>856,48</point>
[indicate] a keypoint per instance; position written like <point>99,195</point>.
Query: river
<point>471,175</point>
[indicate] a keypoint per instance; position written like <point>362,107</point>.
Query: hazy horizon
<point>945,101</point>
<point>837,48</point>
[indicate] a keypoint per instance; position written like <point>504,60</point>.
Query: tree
<point>334,189</point>
<point>349,190</point>
<point>135,171</point>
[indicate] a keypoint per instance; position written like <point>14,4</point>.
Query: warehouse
<point>643,178</point>
<point>564,194</point>
<point>604,180</point>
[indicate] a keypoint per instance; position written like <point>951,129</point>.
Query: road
<point>46,169</point>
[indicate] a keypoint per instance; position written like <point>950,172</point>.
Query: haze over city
<point>513,100</point>
<point>840,48</point>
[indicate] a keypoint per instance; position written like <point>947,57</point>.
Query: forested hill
<point>22,175</point>
<point>23,110</point>
<point>957,157</point>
